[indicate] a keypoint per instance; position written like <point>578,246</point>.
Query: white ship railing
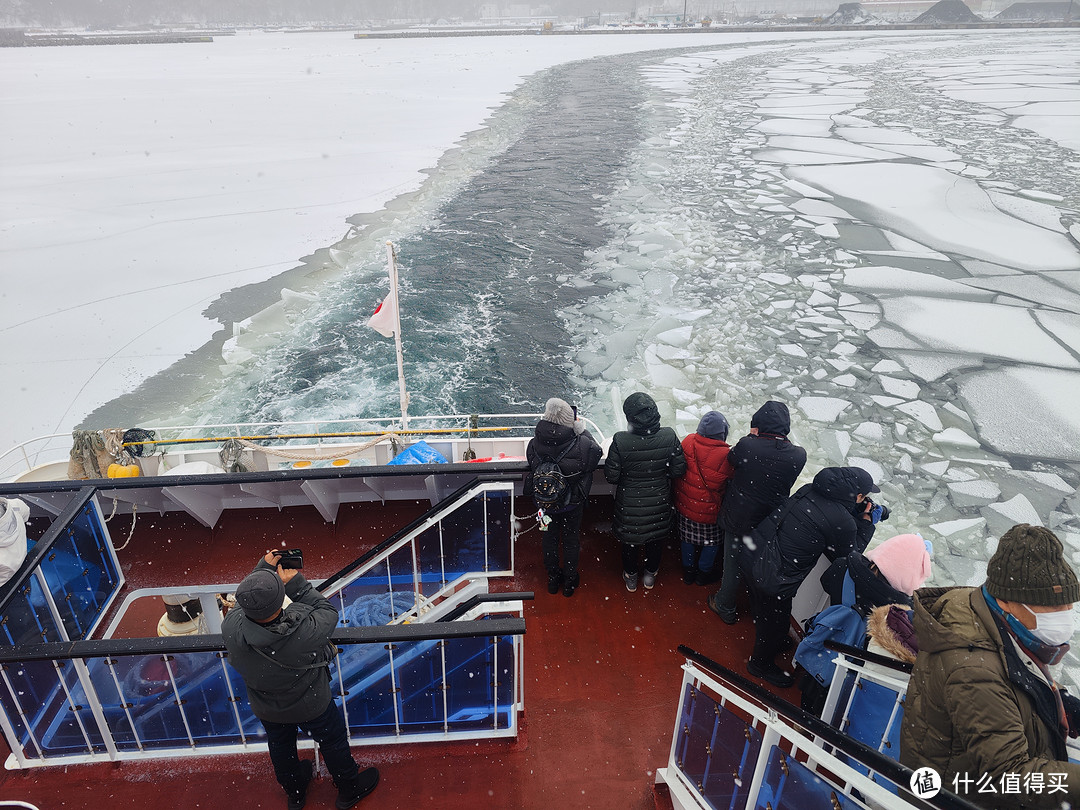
<point>735,745</point>
<point>487,435</point>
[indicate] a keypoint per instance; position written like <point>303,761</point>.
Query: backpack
<point>550,486</point>
<point>842,623</point>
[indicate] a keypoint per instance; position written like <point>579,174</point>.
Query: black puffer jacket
<point>818,519</point>
<point>872,589</point>
<point>642,463</point>
<point>766,467</point>
<point>583,457</point>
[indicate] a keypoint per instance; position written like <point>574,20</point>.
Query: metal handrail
<point>378,634</point>
<point>869,657</point>
<point>892,770</point>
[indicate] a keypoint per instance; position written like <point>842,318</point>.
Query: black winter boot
<point>554,581</point>
<point>351,794</point>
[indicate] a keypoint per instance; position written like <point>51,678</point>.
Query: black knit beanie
<point>1029,566</point>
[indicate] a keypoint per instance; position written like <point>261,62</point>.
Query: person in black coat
<point>766,466</point>
<point>560,430</point>
<point>643,463</point>
<point>833,516</point>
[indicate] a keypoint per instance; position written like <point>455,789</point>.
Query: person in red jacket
<point>698,495</point>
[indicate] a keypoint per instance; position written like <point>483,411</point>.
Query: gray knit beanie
<point>1029,566</point>
<point>558,411</point>
<point>260,595</point>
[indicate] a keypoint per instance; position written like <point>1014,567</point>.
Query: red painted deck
<point>602,679</point>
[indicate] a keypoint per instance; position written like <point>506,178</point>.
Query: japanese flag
<point>384,321</point>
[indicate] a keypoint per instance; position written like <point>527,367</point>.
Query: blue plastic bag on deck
<point>419,453</point>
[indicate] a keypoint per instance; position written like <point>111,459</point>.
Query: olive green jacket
<point>964,716</point>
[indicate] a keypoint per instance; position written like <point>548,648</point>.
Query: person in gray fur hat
<point>284,654</point>
<point>562,439</point>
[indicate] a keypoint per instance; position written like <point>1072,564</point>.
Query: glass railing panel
<point>401,568</point>
<point>506,683</point>
<point>430,559</point>
<point>81,574</point>
<point>469,681</point>
<point>27,618</point>
<point>419,674</point>
<point>500,518</point>
<point>55,719</point>
<point>368,600</point>
<point>365,672</point>
<point>169,701</point>
<point>464,539</point>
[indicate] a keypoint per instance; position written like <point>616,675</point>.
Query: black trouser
<point>565,527</point>
<point>652,556</point>
<point>772,618</point>
<point>328,730</point>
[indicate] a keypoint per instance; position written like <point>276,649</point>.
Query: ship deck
<point>601,680</point>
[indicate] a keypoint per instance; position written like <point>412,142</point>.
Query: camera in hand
<point>292,558</point>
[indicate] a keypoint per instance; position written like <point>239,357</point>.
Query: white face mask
<point>1054,628</point>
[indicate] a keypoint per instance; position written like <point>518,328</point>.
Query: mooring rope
<point>317,455</point>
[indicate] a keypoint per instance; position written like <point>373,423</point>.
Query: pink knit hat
<point>904,561</point>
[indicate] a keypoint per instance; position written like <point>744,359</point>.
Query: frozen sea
<point>881,230</point>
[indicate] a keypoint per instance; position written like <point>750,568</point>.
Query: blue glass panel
<point>418,667</point>
<point>506,687</point>
<point>696,725</point>
<point>80,573</point>
<point>463,539</point>
<point>470,696</point>
<point>403,596</point>
<point>369,695</point>
<point>717,750</point>
<point>60,727</point>
<point>499,525</point>
<point>868,717</point>
<point>429,557</point>
<point>735,746</point>
<point>147,694</point>
<point>367,601</point>
<point>790,785</point>
<point>27,618</point>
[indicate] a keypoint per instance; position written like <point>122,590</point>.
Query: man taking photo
<point>283,655</point>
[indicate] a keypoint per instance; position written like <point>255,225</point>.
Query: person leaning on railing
<point>284,657</point>
<point>982,708</point>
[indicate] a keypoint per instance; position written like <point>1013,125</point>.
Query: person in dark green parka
<point>643,463</point>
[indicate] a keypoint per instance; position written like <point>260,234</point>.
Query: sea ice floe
<point>955,437</point>
<point>894,280</point>
<point>977,328</point>
<point>1000,517</point>
<point>822,409</point>
<point>905,389</point>
<point>924,412</point>
<point>1026,411</point>
<point>973,493</point>
<point>948,213</point>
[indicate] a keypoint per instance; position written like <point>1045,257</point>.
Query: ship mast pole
<point>392,264</point>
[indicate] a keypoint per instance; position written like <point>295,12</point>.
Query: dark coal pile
<point>1034,12</point>
<point>948,11</point>
<point>851,14</point>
